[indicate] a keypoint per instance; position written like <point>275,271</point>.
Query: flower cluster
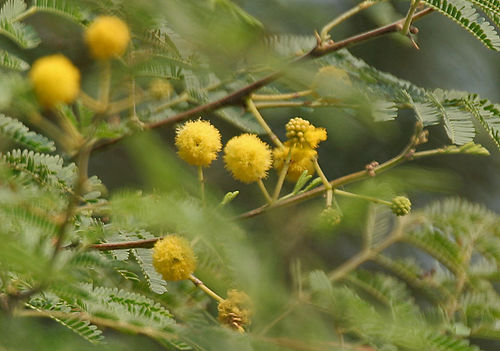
<point>56,80</point>
<point>329,218</point>
<point>401,205</point>
<point>303,140</point>
<point>174,258</point>
<point>302,133</point>
<point>236,310</point>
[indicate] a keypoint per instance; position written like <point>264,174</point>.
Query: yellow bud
<point>198,142</point>
<point>174,258</point>
<point>55,80</point>
<point>302,133</point>
<point>107,37</point>
<point>247,157</point>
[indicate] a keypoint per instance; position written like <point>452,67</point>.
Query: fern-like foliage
<point>127,306</point>
<point>15,130</point>
<point>464,14</point>
<point>61,8</point>
<point>73,321</point>
<point>487,113</point>
<point>44,169</point>
<point>10,61</point>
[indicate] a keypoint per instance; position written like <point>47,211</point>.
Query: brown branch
<point>146,244</point>
<point>238,97</point>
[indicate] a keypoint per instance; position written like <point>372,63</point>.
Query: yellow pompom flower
<point>236,310</point>
<point>174,258</point>
<point>332,83</point>
<point>160,89</point>
<point>107,37</point>
<point>247,157</point>
<point>55,80</point>
<point>198,142</point>
<point>302,159</point>
<point>302,133</point>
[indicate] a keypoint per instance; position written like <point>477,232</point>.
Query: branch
<point>146,244</point>
<point>350,178</point>
<point>408,153</point>
<point>238,97</point>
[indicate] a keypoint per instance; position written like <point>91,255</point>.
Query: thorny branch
<point>238,97</point>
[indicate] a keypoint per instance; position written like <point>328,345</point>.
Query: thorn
<point>414,43</point>
<point>319,41</point>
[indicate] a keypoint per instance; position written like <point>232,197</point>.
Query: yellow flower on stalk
<point>55,80</point>
<point>332,83</point>
<point>236,310</point>
<point>302,159</point>
<point>198,142</point>
<point>107,37</point>
<point>302,133</point>
<point>174,258</point>
<point>160,89</point>
<point>247,157</point>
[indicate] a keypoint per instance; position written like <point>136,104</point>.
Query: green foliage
<point>10,61</point>
<point>465,15</point>
<point>18,132</point>
<point>75,254</point>
<point>45,169</point>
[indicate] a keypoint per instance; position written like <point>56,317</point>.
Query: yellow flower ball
<point>174,258</point>
<point>198,142</point>
<point>160,89</point>
<point>332,83</point>
<point>247,157</point>
<point>302,133</point>
<point>55,80</point>
<point>302,159</point>
<point>107,37</point>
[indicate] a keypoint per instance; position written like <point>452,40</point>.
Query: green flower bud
<point>401,205</point>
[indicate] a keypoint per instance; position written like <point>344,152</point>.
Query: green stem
<point>358,196</point>
<point>82,163</point>
<point>349,178</point>
<point>350,265</point>
<point>366,254</point>
<point>278,104</point>
<point>274,97</point>
<point>264,191</point>
<point>282,176</point>
<point>409,16</point>
<point>177,100</point>
<point>199,284</point>
<point>336,21</point>
<point>326,183</point>
<point>201,179</point>
<point>253,109</point>
<point>105,84</point>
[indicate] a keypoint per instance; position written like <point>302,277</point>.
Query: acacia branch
<point>238,97</point>
<point>407,154</point>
